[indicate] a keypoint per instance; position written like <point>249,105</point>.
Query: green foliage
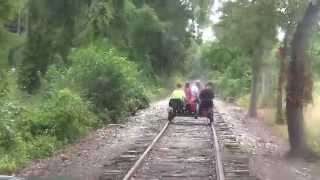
<point>64,116</point>
<point>246,32</point>
<point>8,115</point>
<point>101,15</point>
<point>108,79</point>
<point>147,30</point>
<point>71,78</point>
<point>229,69</point>
<point>5,9</point>
<point>5,13</point>
<point>12,148</point>
<point>43,146</point>
<point>228,87</point>
<point>28,132</point>
<point>7,41</point>
<point>314,53</point>
<point>290,12</point>
<point>51,29</point>
<point>7,60</point>
<point>3,84</point>
<point>152,32</point>
<point>248,25</point>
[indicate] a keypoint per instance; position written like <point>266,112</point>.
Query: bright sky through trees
<point>208,34</point>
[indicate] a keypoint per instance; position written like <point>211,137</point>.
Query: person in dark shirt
<point>206,96</point>
<point>207,93</point>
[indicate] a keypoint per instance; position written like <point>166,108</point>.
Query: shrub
<point>42,146</point>
<point>16,157</point>
<point>36,131</point>
<point>108,79</point>
<point>65,116</point>
<point>7,164</point>
<point>228,86</point>
<point>8,114</point>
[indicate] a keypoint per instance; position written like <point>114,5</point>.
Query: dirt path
<point>268,152</point>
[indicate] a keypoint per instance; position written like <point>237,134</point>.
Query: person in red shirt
<point>190,99</point>
<point>187,91</point>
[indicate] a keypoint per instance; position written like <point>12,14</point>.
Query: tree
<point>290,11</point>
<point>157,33</point>
<point>5,13</point>
<point>251,27</point>
<point>229,67</point>
<point>298,73</point>
<point>54,26</point>
<point>6,8</point>
<point>281,80</point>
<point>50,37</point>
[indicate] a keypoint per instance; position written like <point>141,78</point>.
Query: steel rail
<point>219,164</point>
<point>138,163</point>
<point>218,160</point>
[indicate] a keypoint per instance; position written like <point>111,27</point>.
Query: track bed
<point>185,152</point>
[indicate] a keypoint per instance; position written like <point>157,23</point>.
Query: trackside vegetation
<point>69,67</point>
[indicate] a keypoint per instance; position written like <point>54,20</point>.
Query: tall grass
<point>311,118</point>
<point>312,121</point>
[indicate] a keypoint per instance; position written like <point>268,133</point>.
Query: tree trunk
<point>279,116</point>
<point>19,22</point>
<point>254,84</point>
<point>296,79</point>
<point>27,25</point>
<point>281,80</point>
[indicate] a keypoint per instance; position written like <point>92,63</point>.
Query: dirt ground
<point>85,159</point>
<point>269,152</point>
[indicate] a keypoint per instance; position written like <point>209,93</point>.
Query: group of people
<point>193,93</point>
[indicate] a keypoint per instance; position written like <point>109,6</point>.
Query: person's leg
<point>198,107</point>
<point>193,107</point>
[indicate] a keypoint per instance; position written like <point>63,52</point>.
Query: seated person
<point>206,96</point>
<point>190,99</point>
<point>178,94</point>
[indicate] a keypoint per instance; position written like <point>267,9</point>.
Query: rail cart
<point>177,108</point>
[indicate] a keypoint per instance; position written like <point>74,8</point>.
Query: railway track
<point>235,160</point>
<point>187,149</point>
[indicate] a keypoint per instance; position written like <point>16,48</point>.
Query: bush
<point>8,115</point>
<point>36,131</point>
<point>7,164</point>
<point>42,146</point>
<point>227,86</point>
<point>61,111</point>
<point>68,115</point>
<point>14,156</point>
<point>229,68</point>
<point>65,116</point>
<point>108,79</point>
